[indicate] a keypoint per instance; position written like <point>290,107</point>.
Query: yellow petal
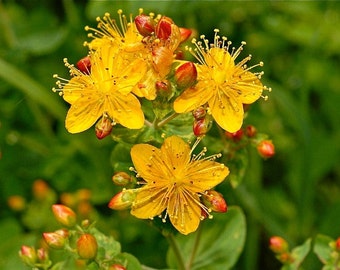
<point>194,97</point>
<point>184,211</point>
<point>83,114</point>
<point>203,175</point>
<point>175,154</point>
<point>125,110</point>
<point>247,88</point>
<point>149,202</point>
<point>74,89</point>
<point>227,112</point>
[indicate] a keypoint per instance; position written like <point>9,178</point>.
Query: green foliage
<point>295,194</point>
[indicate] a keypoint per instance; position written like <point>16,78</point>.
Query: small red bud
<point>250,131</point>
<point>145,25</point>
<point>16,202</point>
<point>266,149</point>
<point>186,75</point>
<point>121,178</point>
<point>199,113</point>
<point>84,65</point>
<point>202,126</point>
<point>285,258</point>
<point>103,127</point>
<point>28,255</point>
<point>235,136</point>
<point>56,240</point>
<point>117,267</point>
<point>185,33</point>
<point>337,244</point>
<point>163,88</point>
<point>214,201</point>
<point>40,189</point>
<point>64,215</point>
<point>122,200</point>
<point>42,255</point>
<point>278,245</point>
<point>164,28</point>
<point>87,246</point>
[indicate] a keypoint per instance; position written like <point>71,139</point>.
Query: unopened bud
<point>202,126</point>
<point>117,267</point>
<point>87,246</point>
<point>164,28</point>
<point>42,255</point>
<point>235,136</point>
<point>214,201</point>
<point>199,113</point>
<point>266,149</point>
<point>122,200</point>
<point>278,245</point>
<point>285,258</point>
<point>103,127</point>
<point>145,25</point>
<point>250,131</point>
<point>57,239</point>
<point>28,255</point>
<point>40,189</point>
<point>16,202</point>
<point>84,65</point>
<point>121,178</point>
<point>163,88</point>
<point>64,215</point>
<point>337,244</point>
<point>186,75</point>
<point>185,33</point>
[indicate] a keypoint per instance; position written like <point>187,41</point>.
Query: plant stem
<point>195,248</point>
<point>166,120</point>
<point>175,248</point>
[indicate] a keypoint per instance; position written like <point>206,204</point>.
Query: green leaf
<point>322,249</point>
<point>130,261</point>
<point>299,254</point>
<point>220,245</point>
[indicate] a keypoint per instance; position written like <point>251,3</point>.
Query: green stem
<point>166,120</point>
<point>173,244</point>
<point>195,248</point>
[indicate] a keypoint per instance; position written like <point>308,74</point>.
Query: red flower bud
<point>250,131</point>
<point>64,215</point>
<point>103,127</point>
<point>57,239</point>
<point>16,202</point>
<point>122,200</point>
<point>117,267</point>
<point>202,126</point>
<point>186,75</point>
<point>42,255</point>
<point>214,201</point>
<point>84,65</point>
<point>145,25</point>
<point>40,189</point>
<point>337,244</point>
<point>266,149</point>
<point>185,33</point>
<point>285,258</point>
<point>28,255</point>
<point>87,246</point>
<point>278,245</point>
<point>199,113</point>
<point>163,88</point>
<point>235,136</point>
<point>164,28</point>
<point>121,178</point>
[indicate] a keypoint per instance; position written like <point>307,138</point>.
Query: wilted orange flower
<point>224,85</point>
<point>105,91</point>
<point>174,180</point>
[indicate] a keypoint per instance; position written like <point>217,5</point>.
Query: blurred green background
<point>296,194</point>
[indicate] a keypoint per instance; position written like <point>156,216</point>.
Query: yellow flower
<point>224,85</point>
<point>174,182</point>
<point>106,90</point>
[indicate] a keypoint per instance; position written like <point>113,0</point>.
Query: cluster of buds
<point>35,258</point>
<point>280,248</point>
<point>202,121</point>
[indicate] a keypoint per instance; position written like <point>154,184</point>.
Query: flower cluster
<point>140,61</point>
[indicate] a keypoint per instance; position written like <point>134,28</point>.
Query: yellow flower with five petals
<point>174,181</point>
<point>105,90</point>
<point>221,83</point>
